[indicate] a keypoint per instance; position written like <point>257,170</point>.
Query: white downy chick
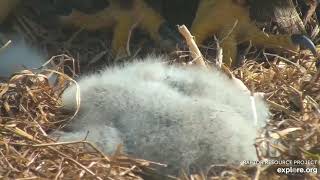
<point>181,116</point>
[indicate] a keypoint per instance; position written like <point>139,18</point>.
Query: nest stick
<point>195,52</point>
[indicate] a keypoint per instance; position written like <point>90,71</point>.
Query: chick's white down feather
<point>170,114</point>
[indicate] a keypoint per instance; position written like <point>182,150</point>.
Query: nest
<point>30,109</point>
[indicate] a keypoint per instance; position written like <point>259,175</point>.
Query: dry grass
<point>30,108</point>
<point>291,88</point>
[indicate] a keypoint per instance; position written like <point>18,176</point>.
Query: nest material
<point>292,89</point>
<point>30,109</point>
